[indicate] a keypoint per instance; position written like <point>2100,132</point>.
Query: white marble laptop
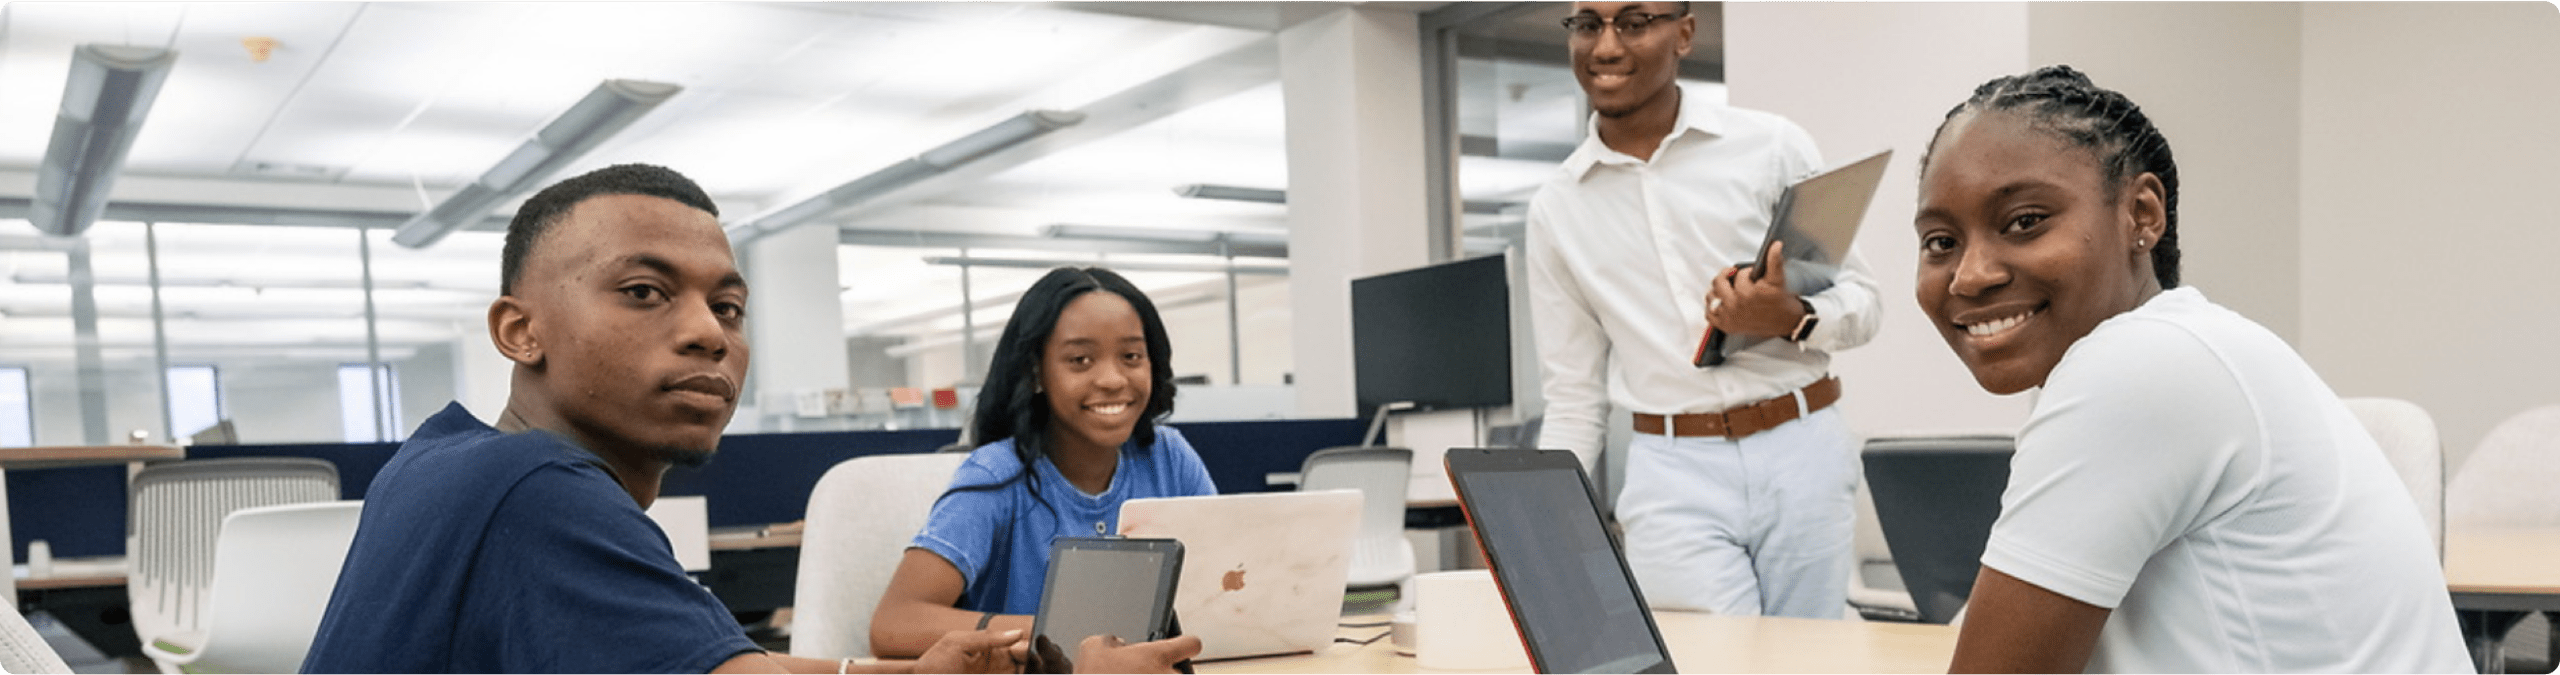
<point>1262,573</point>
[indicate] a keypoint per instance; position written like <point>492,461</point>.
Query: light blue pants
<point>1759,526</point>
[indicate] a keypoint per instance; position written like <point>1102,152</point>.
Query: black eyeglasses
<point>1630,25</point>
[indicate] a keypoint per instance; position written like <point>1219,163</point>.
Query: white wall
<point>284,402</point>
<point>2431,151</point>
<point>2220,80</point>
<point>1861,77</point>
<point>427,383</point>
<point>1198,332</point>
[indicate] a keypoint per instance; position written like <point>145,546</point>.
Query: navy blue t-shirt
<point>489,552</point>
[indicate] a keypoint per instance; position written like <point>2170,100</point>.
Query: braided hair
<point>2063,102</point>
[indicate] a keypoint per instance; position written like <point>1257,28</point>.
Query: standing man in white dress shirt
<point>1738,496</point>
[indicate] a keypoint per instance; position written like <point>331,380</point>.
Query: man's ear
<point>511,329</point>
<point>1688,35</point>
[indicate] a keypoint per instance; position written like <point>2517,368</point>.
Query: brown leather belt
<point>1746,420</point>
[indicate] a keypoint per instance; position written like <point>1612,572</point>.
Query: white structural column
<point>1352,77</point>
<point>795,320</point>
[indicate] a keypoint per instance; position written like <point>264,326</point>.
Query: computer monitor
<point>1436,336</point>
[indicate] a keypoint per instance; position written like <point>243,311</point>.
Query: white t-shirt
<point>2185,468</point>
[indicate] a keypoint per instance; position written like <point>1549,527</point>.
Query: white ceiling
<point>388,107</point>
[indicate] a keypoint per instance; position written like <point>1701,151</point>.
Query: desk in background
<point>2497,577</point>
<point>1700,643</point>
<point>51,457</point>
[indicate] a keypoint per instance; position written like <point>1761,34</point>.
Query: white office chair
<point>1382,556</point>
<point>687,522</point>
<point>273,570</point>
<point>2506,482</point>
<point>23,650</point>
<point>861,516</point>
<point>2408,438</point>
<point>177,509</point>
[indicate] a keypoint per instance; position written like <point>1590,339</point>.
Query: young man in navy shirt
<point>523,547</point>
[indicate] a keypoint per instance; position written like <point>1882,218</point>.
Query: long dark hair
<point>2063,102</point>
<point>1011,405</point>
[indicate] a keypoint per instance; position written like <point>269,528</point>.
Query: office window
<point>17,409</point>
<point>357,415</point>
<point>195,399</point>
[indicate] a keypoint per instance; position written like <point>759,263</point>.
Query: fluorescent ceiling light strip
<point>104,102</point>
<point>611,107</point>
<point>1237,193</point>
<point>1118,266</point>
<point>978,144</point>
<point>1237,239</point>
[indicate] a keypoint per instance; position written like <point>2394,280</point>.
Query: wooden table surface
<point>1700,643</point>
<point>86,455</point>
<point>2523,561</point>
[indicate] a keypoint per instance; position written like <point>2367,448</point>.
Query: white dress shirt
<point>1622,250</point>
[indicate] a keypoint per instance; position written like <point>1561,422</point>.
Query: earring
<point>2139,244</point>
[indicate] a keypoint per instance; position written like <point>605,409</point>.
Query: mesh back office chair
<point>273,570</point>
<point>2408,438</point>
<point>861,516</point>
<point>1381,556</point>
<point>1936,497</point>
<point>176,512</point>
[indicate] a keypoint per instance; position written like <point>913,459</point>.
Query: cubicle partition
<point>756,479</point>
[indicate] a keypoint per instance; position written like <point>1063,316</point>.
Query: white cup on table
<point>1460,623</point>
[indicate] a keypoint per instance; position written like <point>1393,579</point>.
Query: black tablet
<point>1564,578</point>
<point>1106,586</point>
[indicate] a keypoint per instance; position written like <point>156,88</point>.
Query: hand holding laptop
<point>1753,300</point>
<point>1810,230</point>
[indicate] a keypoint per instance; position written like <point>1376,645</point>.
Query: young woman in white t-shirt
<point>2187,495</point>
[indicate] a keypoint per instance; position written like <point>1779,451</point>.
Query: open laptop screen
<point>1563,577</point>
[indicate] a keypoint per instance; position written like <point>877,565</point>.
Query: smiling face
<point>1095,373</point>
<point>639,315</point>
<point>2025,247</point>
<point>1622,75</point>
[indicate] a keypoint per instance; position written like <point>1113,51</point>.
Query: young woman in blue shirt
<point>1069,429</point>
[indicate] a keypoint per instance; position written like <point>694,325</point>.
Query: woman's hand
<point>973,651</point>
<point>1107,654</point>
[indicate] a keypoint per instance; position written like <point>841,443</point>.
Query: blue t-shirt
<point>999,538</point>
<point>489,552</point>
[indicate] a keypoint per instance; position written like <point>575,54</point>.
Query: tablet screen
<point>1119,587</point>
<point>1560,573</point>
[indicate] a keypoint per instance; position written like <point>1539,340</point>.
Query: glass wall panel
<point>17,416</point>
<point>195,399</point>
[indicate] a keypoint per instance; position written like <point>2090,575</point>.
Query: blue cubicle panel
<point>755,479</point>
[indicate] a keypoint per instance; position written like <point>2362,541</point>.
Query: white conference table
<point>1700,643</point>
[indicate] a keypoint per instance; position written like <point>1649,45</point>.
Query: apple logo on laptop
<point>1233,580</point>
